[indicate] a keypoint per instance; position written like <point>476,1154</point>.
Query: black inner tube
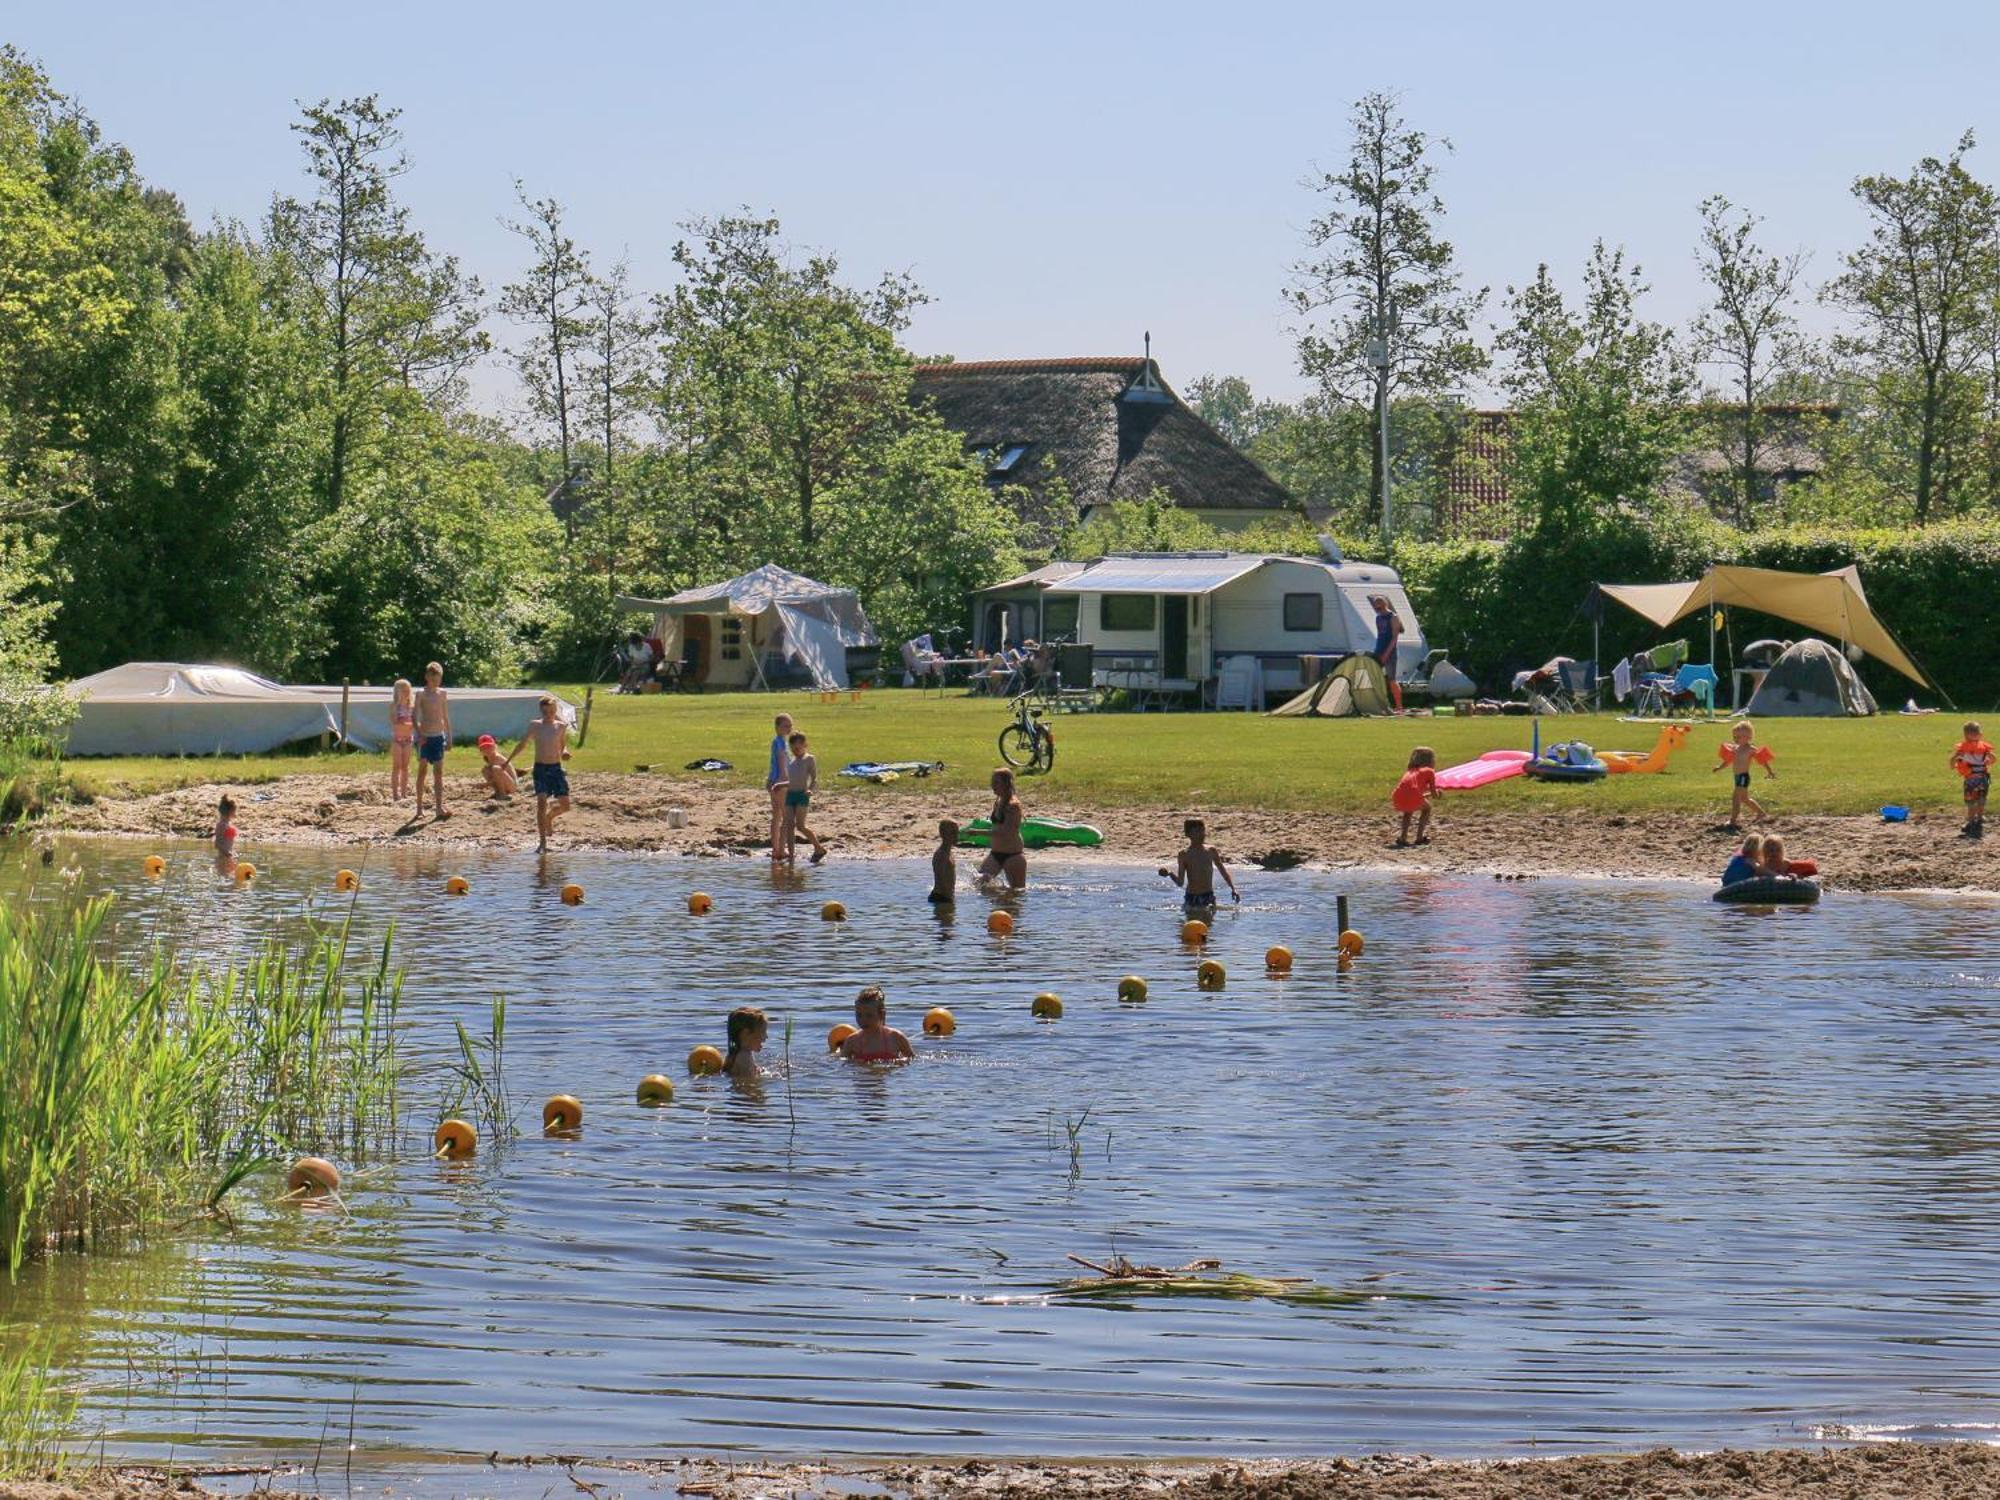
<point>1770,890</point>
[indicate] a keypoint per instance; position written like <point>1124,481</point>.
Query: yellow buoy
<point>572,895</point>
<point>1046,1006</point>
<point>154,865</point>
<point>939,1022</point>
<point>346,880</point>
<point>1351,944</point>
<point>458,885</point>
<point>705,1059</point>
<point>700,904</point>
<point>455,1140</point>
<point>1211,975</point>
<point>833,911</point>
<point>840,1034</point>
<point>562,1112</point>
<point>245,873</point>
<point>1279,959</point>
<point>312,1176</point>
<point>1132,989</point>
<point>655,1089</point>
<point>1194,932</point>
<point>1000,923</point>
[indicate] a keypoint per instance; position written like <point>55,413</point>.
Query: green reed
<point>129,1097</point>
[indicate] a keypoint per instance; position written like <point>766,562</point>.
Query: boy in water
<point>944,867</point>
<point>1197,867</point>
<point>551,737</point>
<point>496,773</point>
<point>777,783</point>
<point>1973,759</point>
<point>433,735</point>
<point>1743,865</point>
<point>1739,755</point>
<point>877,1041</point>
<point>802,776</point>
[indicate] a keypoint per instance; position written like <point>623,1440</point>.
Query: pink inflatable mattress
<point>1494,765</point>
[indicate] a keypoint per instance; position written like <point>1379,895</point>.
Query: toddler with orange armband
<point>1739,755</point>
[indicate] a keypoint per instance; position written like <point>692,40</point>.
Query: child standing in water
<point>402,737</point>
<point>877,1041</point>
<point>551,737</point>
<point>225,830</point>
<point>747,1032</point>
<point>802,777</point>
<point>1414,795</point>
<point>1739,755</point>
<point>1973,759</point>
<point>1196,868</point>
<point>944,865</point>
<point>777,782</point>
<point>433,735</point>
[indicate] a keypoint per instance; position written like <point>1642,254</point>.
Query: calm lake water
<point>1626,1167</point>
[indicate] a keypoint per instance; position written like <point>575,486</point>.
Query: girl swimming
<point>747,1030</point>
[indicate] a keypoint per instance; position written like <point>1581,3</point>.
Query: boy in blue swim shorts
<point>433,735</point>
<point>551,740</point>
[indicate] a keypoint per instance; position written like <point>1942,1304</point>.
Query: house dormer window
<point>1004,459</point>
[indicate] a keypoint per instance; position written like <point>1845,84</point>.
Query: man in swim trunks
<point>1006,854</point>
<point>1197,867</point>
<point>1973,759</point>
<point>877,1041</point>
<point>433,735</point>
<point>551,738</point>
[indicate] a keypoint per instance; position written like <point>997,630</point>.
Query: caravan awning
<point>1190,573</point>
<point>1831,603</point>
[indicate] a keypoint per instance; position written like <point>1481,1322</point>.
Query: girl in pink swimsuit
<point>877,1041</point>
<point>402,737</point>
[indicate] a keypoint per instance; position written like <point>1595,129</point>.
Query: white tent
<point>173,708</point>
<point>167,708</point>
<point>768,612</point>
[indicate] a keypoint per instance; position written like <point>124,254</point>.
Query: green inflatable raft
<point>1036,833</point>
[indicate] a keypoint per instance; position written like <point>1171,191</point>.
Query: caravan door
<point>1174,638</point>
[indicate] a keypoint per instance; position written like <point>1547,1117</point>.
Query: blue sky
<point>1059,177</point>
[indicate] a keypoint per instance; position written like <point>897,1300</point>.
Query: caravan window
<point>1059,616</point>
<point>1126,612</point>
<point>1305,611</point>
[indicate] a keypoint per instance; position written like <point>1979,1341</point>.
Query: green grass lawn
<point>1215,759</point>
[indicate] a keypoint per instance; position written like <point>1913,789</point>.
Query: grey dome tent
<point>1811,680</point>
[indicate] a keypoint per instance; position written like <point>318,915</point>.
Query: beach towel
<point>709,764</point>
<point>889,770</point>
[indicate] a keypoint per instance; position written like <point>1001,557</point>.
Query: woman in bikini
<point>1006,854</point>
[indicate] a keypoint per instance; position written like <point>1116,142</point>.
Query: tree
<point>551,300</point>
<point>1377,272</point>
<point>1598,394</point>
<point>1227,404</point>
<point>1925,291</point>
<point>1747,330</point>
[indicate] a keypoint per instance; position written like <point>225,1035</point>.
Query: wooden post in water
<point>583,729</point>
<point>343,712</point>
<point>1340,910</point>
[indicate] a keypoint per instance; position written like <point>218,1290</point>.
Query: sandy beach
<point>631,812</point>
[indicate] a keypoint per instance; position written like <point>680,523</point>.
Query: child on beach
<point>1414,795</point>
<point>802,777</point>
<point>1739,755</point>
<point>402,737</point>
<point>944,867</point>
<point>1196,868</point>
<point>496,772</point>
<point>551,740</point>
<point>433,735</point>
<point>747,1031</point>
<point>777,782</point>
<point>1743,865</point>
<point>877,1041</point>
<point>225,830</point>
<point>1973,759</point>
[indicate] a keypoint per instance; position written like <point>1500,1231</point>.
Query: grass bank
<point>1826,766</point>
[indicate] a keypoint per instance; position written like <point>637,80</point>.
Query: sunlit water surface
<point>1625,1167</point>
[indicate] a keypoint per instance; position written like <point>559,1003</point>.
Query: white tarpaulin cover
<point>167,708</point>
<point>1831,603</point>
<point>816,622</point>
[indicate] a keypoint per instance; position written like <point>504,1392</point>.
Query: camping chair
<point>1076,668</point>
<point>1698,679</point>
<point>1576,686</point>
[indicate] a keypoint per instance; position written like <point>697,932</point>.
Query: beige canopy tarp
<point>1831,603</point>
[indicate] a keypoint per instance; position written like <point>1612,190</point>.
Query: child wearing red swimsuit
<point>1414,795</point>
<point>877,1041</point>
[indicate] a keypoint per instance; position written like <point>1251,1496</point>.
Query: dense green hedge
<point>1501,606</point>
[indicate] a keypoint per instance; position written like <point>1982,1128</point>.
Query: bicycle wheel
<point>1045,752</point>
<point>1018,745</point>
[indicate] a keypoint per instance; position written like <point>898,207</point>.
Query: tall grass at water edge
<point>131,1098</point>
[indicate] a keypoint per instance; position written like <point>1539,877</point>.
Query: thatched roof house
<point>1108,429</point>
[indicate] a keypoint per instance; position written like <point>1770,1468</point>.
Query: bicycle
<point>1027,743</point>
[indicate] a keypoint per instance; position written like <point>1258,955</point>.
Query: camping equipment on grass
<point>1655,760</point>
<point>769,615</point>
<point>1036,833</point>
<point>889,770</point>
<point>1811,680</point>
<point>1356,685</point>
